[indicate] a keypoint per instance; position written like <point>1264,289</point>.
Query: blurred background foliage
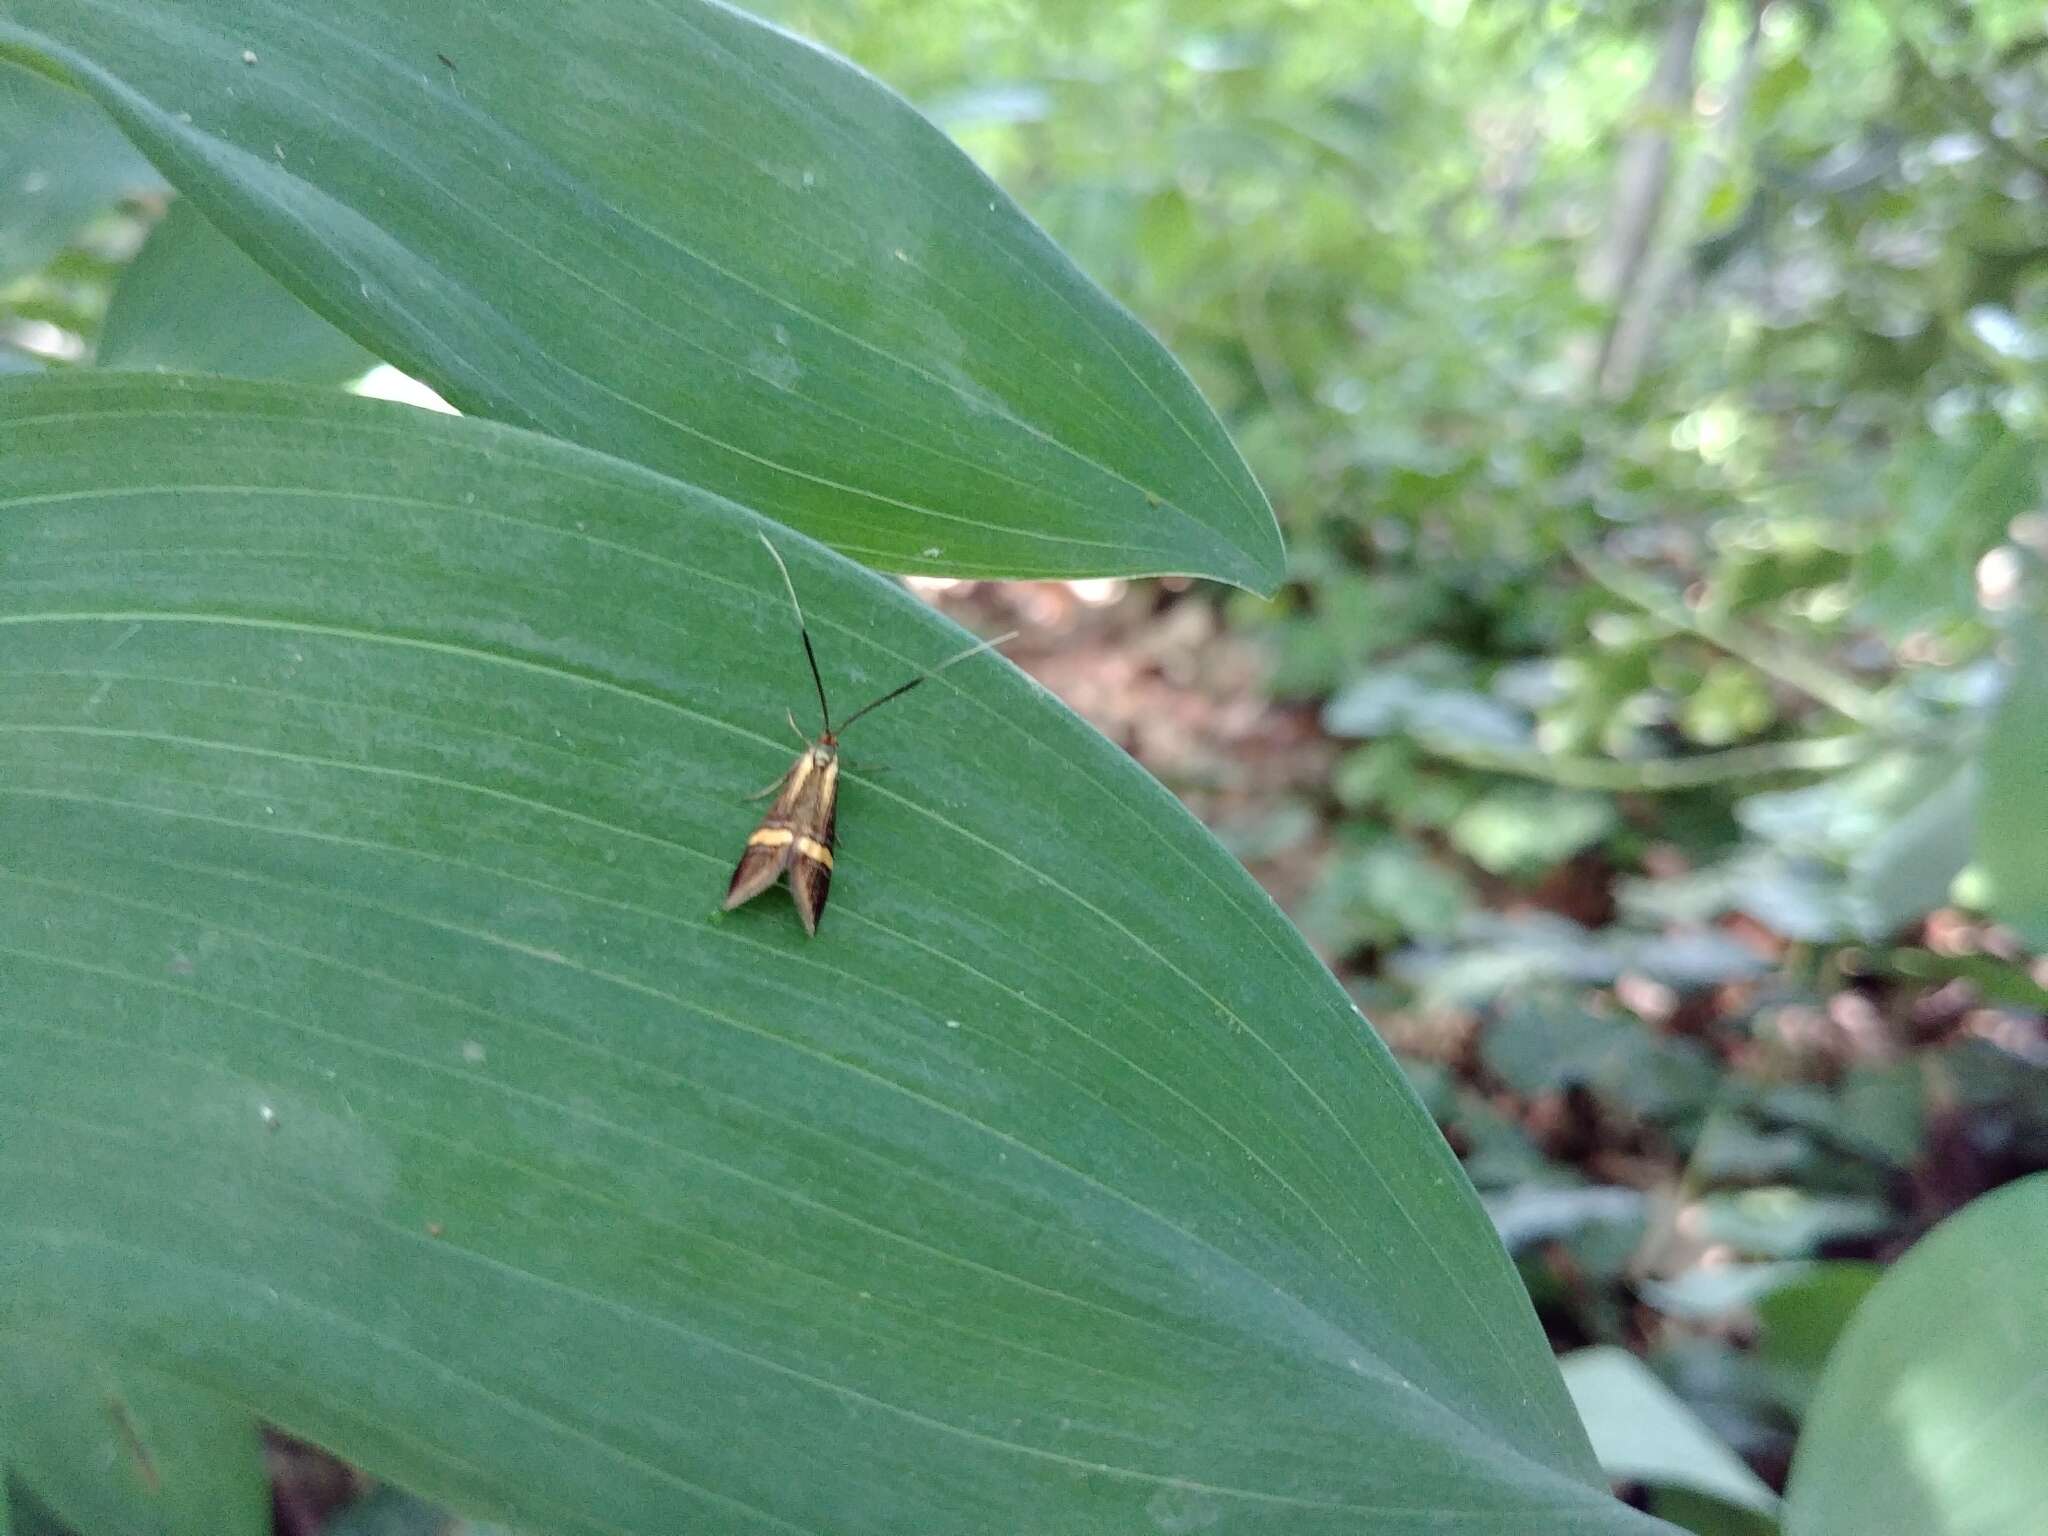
<point>1651,731</point>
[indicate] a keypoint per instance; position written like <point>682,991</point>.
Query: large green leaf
<point>190,302</point>
<point>373,1053</point>
<point>1929,1413</point>
<point>679,235</point>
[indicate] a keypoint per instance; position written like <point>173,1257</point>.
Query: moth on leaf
<point>797,833</point>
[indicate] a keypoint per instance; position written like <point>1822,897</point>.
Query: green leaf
<point>2012,815</point>
<point>116,1449</point>
<point>1501,1156</point>
<point>1391,701</point>
<point>1898,824</point>
<point>1547,1043</point>
<point>1708,1293</point>
<point>1525,829</point>
<point>1956,498</point>
<point>1643,1433</point>
<point>1928,1417</point>
<point>1731,703</point>
<point>1781,1222</point>
<point>62,161</point>
<point>375,1055</point>
<point>681,236</point>
<point>1906,871</point>
<point>1883,1111</point>
<point>1379,891</point>
<point>1603,1217</point>
<point>1732,1149</point>
<point>1801,1321</point>
<point>1791,895</point>
<point>190,302</point>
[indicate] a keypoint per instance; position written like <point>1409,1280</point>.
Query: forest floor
<point>1818,1109</point>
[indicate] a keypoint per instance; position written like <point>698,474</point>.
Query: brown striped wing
<point>769,844</point>
<point>794,835</point>
<point>810,866</point>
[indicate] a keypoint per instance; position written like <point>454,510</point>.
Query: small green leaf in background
<point>1882,1111</point>
<point>1929,1414</point>
<point>1710,1292</point>
<point>1909,867</point>
<point>1411,700</point>
<point>1642,1432</point>
<point>1377,888</point>
<point>1781,1221</point>
<point>1800,1322</point>
<point>1499,956</point>
<point>2012,825</point>
<point>688,239</point>
<point>1600,1218</point>
<point>1732,1149</point>
<point>1545,1044</point>
<point>116,1449</point>
<point>1957,497</point>
<point>1524,829</point>
<point>190,302</point>
<point>62,161</point>
<point>375,1052</point>
<point>1731,703</point>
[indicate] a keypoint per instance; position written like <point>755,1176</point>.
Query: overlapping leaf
<point>190,302</point>
<point>679,235</point>
<point>1928,1416</point>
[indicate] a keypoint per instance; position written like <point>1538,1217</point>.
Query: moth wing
<point>810,877</point>
<point>769,844</point>
<point>810,882</point>
<point>758,869</point>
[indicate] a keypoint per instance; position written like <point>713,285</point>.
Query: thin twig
<point>1660,775</point>
<point>1817,681</point>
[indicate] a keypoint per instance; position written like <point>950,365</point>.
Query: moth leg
<point>800,736</point>
<point>766,790</point>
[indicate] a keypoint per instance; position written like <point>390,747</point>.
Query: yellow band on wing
<point>771,837</point>
<point>811,848</point>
